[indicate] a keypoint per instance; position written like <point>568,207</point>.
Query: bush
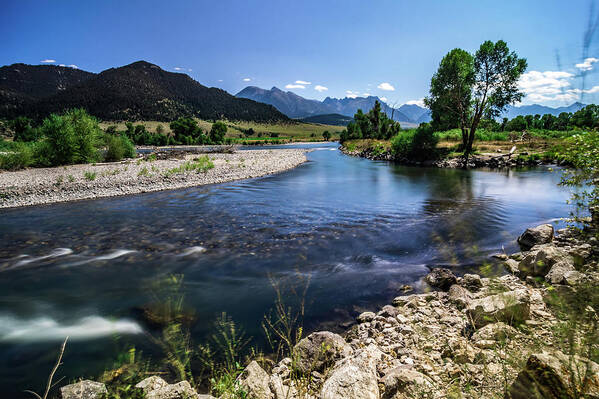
<point>74,137</point>
<point>217,133</point>
<point>418,144</point>
<point>19,158</point>
<point>118,147</point>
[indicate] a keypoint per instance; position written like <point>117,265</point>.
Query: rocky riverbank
<point>469,336</point>
<point>89,181</point>
<point>494,161</point>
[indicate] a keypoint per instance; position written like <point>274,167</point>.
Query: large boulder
<point>255,381</point>
<point>441,278</point>
<point>320,350</point>
<point>509,307</point>
<point>539,261</point>
<point>151,384</point>
<point>472,282</point>
<point>85,389</point>
<point>556,376</point>
<point>559,273</point>
<point>459,296</point>
<point>354,377</point>
<point>542,234</point>
<point>403,382</point>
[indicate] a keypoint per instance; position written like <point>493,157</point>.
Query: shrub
<point>71,138</point>
<point>217,133</point>
<point>418,144</point>
<point>20,158</point>
<point>118,147</point>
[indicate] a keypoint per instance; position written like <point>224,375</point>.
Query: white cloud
<point>302,82</point>
<point>178,68</point>
<point>386,86</point>
<point>294,86</point>
<point>552,86</point>
<point>366,94</point>
<point>320,88</point>
<point>246,79</point>
<point>419,102</point>
<point>351,94</point>
<point>384,99</point>
<point>189,69</point>
<point>73,66</point>
<point>48,61</point>
<point>220,80</point>
<point>587,64</point>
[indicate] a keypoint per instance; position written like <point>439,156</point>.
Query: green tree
<point>23,129</point>
<point>186,130</point>
<point>468,88</point>
<point>217,132</point>
<point>326,135</point>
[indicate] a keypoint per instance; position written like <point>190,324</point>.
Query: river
<point>356,229</point>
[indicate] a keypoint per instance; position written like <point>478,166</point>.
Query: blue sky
<point>331,48</point>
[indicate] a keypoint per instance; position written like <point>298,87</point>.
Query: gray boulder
<point>556,376</point>
<point>512,266</point>
<point>366,317</point>
<point>441,278</point>
<point>494,332</point>
<point>472,282</point>
<point>558,273</point>
<point>542,234</point>
<point>85,389</point>
<point>539,261</point>
<point>354,377</point>
<point>320,350</point>
<point>405,382</point>
<point>459,296</point>
<point>180,390</point>
<point>151,383</point>
<point>509,307</point>
<point>255,381</point>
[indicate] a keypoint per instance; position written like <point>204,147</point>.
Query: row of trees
<point>585,118</point>
<point>373,125</point>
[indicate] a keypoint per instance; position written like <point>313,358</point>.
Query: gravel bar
<point>69,183</point>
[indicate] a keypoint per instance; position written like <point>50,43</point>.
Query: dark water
<point>358,229</point>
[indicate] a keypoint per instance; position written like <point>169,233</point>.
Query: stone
<point>255,381</point>
<point>320,350</point>
<point>460,350</point>
<point>573,278</point>
<point>512,266</point>
<point>459,296</point>
<point>548,375</point>
<point>494,332</point>
<point>509,307</point>
<point>472,282</point>
<point>180,390</point>
<point>405,382</point>
<point>366,317</point>
<point>280,390</point>
<point>539,261</point>
<point>388,311</point>
<point>354,377</point>
<point>542,234</point>
<point>557,274</point>
<point>151,383</point>
<point>401,300</point>
<point>441,278</point>
<point>85,389</point>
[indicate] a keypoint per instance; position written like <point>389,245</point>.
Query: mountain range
<point>295,106</point>
<point>138,91</point>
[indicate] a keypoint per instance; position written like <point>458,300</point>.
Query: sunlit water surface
<point>357,229</point>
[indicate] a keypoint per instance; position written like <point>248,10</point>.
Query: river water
<point>356,229</point>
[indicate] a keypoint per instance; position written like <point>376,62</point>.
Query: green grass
<point>199,165</point>
<point>90,176</point>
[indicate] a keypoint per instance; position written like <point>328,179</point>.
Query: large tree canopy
<point>467,88</point>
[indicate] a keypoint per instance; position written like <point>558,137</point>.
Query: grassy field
<point>296,131</point>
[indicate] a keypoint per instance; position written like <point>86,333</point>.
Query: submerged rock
<point>542,234</point>
<point>85,389</point>
<point>556,376</point>
<point>320,350</point>
<point>441,278</point>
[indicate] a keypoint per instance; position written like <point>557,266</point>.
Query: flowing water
<point>358,229</point>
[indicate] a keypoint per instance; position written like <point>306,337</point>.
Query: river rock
<point>255,382</point>
<point>459,296</point>
<point>549,376</point>
<point>366,317</point>
<point>558,272</point>
<point>85,389</point>
<point>403,382</point>
<point>540,260</point>
<point>151,383</point>
<point>354,377</point>
<point>494,332</point>
<point>320,350</point>
<point>509,307</point>
<point>512,266</point>
<point>472,282</point>
<point>441,278</point>
<point>180,390</point>
<point>542,234</point>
